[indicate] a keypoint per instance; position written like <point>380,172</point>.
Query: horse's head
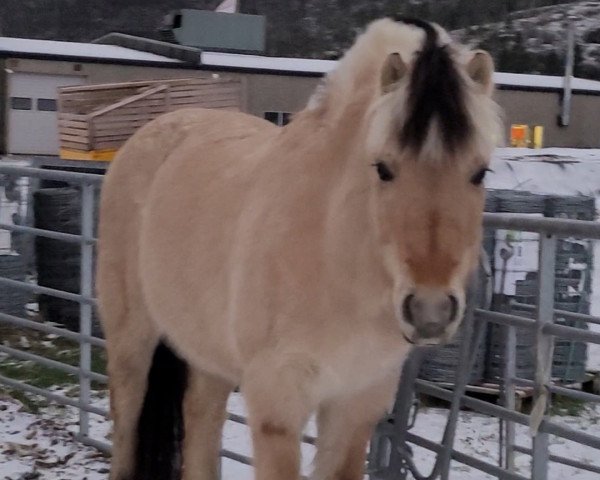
<point>430,133</point>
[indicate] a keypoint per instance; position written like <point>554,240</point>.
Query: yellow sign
<point>538,137</point>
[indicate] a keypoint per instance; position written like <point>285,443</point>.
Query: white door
<point>31,112</point>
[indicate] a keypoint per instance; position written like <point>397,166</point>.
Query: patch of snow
<point>555,171</point>
<point>543,28</point>
<point>477,435</point>
<point>45,444</point>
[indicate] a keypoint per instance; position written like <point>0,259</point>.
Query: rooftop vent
<point>215,31</point>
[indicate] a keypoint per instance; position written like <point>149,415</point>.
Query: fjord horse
<point>301,263</point>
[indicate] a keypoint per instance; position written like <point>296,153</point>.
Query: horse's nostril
<point>430,308</point>
<point>453,307</point>
<point>408,315</point>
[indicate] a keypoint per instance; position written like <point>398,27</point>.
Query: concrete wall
<point>3,134</point>
<point>287,93</point>
<point>544,108</point>
<point>3,106</point>
<point>278,93</point>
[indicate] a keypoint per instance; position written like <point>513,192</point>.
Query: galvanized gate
<point>390,456</point>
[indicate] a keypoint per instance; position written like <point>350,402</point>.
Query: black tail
<point>160,427</point>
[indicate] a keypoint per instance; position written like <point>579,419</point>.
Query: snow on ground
<point>42,446</point>
<point>477,435</point>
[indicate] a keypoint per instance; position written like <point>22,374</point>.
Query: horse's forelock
<point>436,92</point>
<point>436,112</point>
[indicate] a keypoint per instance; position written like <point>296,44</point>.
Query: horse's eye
<point>384,172</point>
<point>477,179</point>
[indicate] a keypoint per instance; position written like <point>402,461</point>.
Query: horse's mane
<point>436,109</point>
<point>435,90</point>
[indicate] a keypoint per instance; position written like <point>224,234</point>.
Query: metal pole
<point>473,334</point>
<point>509,395</point>
<point>565,117</point>
<point>390,464</point>
<point>85,309</point>
<point>501,303</point>
<point>544,353</point>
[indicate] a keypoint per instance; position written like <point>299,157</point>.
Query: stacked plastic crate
<point>513,258</point>
<point>58,262</point>
<point>572,284</point>
<point>574,260</point>
<point>515,271</point>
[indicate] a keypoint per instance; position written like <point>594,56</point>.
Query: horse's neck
<point>333,130</point>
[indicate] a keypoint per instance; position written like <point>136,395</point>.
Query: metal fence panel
<point>390,456</point>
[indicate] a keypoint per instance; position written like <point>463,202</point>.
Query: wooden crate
<point>95,120</point>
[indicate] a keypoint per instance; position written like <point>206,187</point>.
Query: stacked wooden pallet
<point>95,120</point>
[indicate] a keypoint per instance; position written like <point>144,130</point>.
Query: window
<point>278,118</point>
<point>177,20</point>
<point>20,103</point>
<point>46,105</point>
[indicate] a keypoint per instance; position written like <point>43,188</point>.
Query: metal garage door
<point>32,118</point>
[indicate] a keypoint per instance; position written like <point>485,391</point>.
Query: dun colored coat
<point>300,263</point>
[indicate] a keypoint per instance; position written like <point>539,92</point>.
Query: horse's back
<point>127,186</point>
<point>137,162</point>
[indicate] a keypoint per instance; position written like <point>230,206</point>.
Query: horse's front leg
<point>278,390</point>
<point>345,425</point>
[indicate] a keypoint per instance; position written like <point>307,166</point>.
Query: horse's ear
<point>394,69</point>
<point>481,70</point>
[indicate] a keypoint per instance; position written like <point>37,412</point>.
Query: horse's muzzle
<point>430,313</point>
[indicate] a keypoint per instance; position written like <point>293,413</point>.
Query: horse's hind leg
<point>204,413</point>
<point>130,350</point>
<point>345,426</point>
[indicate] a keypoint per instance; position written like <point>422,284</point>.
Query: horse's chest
<point>358,365</point>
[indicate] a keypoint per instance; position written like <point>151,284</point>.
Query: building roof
<point>24,47</point>
<point>143,53</point>
<point>305,65</point>
<point>520,80</point>
<point>258,62</point>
